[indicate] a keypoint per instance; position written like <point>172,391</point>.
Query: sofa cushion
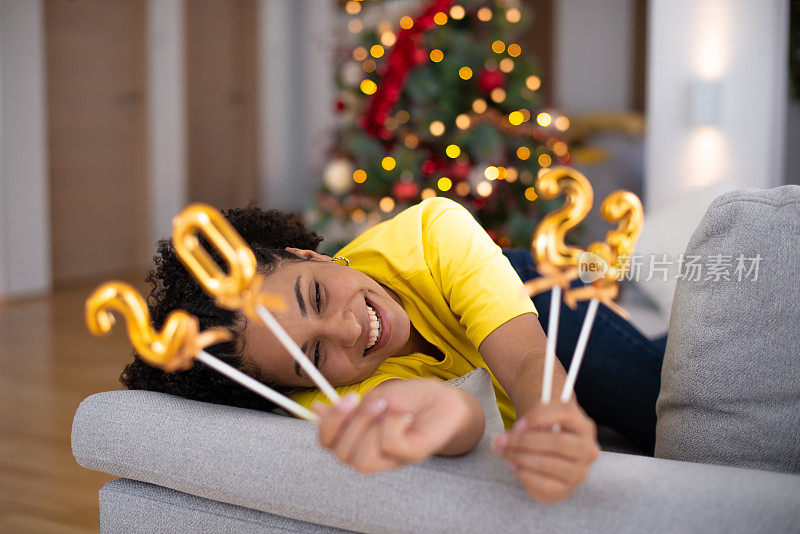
<point>478,383</point>
<point>274,464</point>
<point>131,507</point>
<point>730,384</point>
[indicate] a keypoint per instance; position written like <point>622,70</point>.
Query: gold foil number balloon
<point>624,208</point>
<point>240,288</point>
<point>172,349</point>
<point>548,242</point>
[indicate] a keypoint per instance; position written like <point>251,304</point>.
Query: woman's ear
<point>308,254</point>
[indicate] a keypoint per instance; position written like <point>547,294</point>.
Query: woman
<point>427,296</point>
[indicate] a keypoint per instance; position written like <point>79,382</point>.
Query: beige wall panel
<point>221,101</point>
<point>96,107</point>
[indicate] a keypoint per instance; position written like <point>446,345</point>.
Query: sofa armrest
<point>273,464</point>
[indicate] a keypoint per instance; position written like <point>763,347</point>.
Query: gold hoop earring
<point>346,261</point>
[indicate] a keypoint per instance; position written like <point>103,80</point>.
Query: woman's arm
<point>399,422</point>
<point>515,353</point>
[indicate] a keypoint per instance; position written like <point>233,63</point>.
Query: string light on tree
<point>337,175</point>
<point>516,118</point>
<point>491,173</point>
<point>388,163</point>
<point>354,26</point>
<point>484,189</point>
<point>498,95</point>
<point>513,15</point>
<point>533,82</point>
<point>562,123</point>
<point>544,119</point>
<point>386,204</point>
<point>368,87</point>
<point>352,7</point>
<point>457,12</point>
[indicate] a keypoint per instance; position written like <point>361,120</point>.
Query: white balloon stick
<point>580,349</point>
<point>296,353</point>
<point>256,387</point>
<point>550,351</point>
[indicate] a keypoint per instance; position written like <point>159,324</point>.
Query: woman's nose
<point>347,329</point>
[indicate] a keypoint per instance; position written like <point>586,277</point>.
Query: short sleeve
<point>476,279</point>
<point>402,367</point>
<point>307,397</point>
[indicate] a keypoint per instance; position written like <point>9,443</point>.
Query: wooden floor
<point>48,364</point>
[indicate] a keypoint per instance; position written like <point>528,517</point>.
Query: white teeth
<point>374,325</point>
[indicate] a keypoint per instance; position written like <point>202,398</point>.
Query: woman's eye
<point>316,356</point>
<point>318,297</point>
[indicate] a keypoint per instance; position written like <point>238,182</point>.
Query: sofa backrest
<point>730,383</point>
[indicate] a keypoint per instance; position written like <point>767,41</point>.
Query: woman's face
<point>342,319</point>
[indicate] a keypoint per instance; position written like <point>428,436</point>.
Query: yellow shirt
<point>455,285</point>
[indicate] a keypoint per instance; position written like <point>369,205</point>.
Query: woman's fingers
<point>565,444</point>
<point>568,415</point>
<point>369,457</point>
<point>351,435</point>
<point>395,442</point>
<point>543,488</point>
<point>333,418</point>
<point>568,471</point>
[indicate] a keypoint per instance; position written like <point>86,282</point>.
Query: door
<point>96,135</point>
<point>221,110</point>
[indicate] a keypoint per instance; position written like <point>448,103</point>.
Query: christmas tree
<point>436,98</point>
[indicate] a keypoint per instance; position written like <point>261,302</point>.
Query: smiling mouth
<point>379,328</point>
<point>375,327</point>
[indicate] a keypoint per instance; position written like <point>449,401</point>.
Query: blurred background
<point>115,114</point>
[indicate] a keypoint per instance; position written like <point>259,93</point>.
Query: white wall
<point>24,204</point>
<point>296,43</point>
<point>592,55</point>
<point>741,44</point>
<point>166,113</point>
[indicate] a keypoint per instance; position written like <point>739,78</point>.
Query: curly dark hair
<point>172,287</point>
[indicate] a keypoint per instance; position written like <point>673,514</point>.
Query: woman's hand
<point>550,463</point>
<point>400,422</point>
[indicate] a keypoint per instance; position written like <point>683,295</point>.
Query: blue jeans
<point>620,374</point>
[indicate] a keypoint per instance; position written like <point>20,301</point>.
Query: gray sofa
<point>188,466</point>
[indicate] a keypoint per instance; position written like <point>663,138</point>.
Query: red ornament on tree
<point>491,79</point>
<point>405,191</point>
<point>339,105</point>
